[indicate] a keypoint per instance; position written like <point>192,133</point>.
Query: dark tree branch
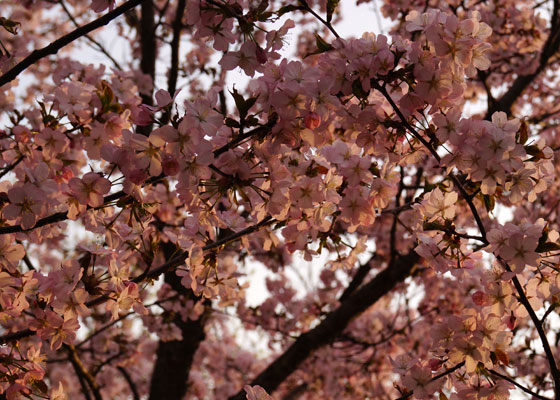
<point>434,153</point>
<point>173,263</point>
<point>262,131</point>
<point>148,45</point>
<point>82,372</point>
<point>10,337</point>
<point>393,231</point>
<point>148,50</point>
<point>8,168</point>
<point>490,100</point>
<point>65,40</point>
<point>174,358</point>
<point>357,279</point>
<point>98,45</point>
<point>131,384</point>
<point>551,47</point>
<point>175,46</point>
<point>513,382</point>
<point>540,330</point>
<point>83,384</point>
<point>333,325</point>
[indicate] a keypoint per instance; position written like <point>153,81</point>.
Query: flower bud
<point>435,364</point>
<point>143,115</point>
<point>170,165</point>
<point>312,120</point>
<point>137,176</point>
<point>479,298</point>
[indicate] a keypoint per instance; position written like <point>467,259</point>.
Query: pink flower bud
<point>65,175</point>
<point>170,165</point>
<point>434,364</point>
<point>143,115</point>
<point>479,298</point>
<point>510,321</point>
<point>312,120</point>
<point>137,176</point>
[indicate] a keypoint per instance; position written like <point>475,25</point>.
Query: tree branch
<point>540,330</point>
<point>333,325</point>
<point>434,153</point>
<point>175,46</point>
<point>148,45</point>
<point>174,358</point>
<point>131,384</point>
<point>513,382</point>
<point>173,263</point>
<point>83,372</point>
<point>65,40</point>
<point>357,279</point>
<point>90,38</point>
<point>62,216</point>
<point>551,46</point>
<point>444,373</point>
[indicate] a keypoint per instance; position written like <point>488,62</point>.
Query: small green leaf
<point>263,5</point>
<point>251,121</point>
<point>534,151</point>
<point>489,202</point>
<point>265,16</point>
<point>9,25</point>
<point>433,226</point>
<point>288,8</point>
<point>358,90</point>
<point>544,236</point>
<point>243,106</point>
<point>322,45</point>
<point>331,7</point>
<point>546,247</point>
<point>41,386</point>
<point>239,100</point>
<point>524,132</point>
<point>249,103</point>
<point>232,123</point>
<point>428,187</point>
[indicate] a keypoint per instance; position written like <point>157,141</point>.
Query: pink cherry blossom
<point>26,204</point>
<point>90,189</point>
<point>357,216</point>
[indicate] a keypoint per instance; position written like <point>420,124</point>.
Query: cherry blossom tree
<point>138,193</point>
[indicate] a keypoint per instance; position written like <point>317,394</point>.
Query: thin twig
<point>90,38</point>
<point>83,372</point>
<point>131,384</point>
<point>323,21</point>
<point>540,330</point>
<point>65,40</point>
<point>173,263</point>
<point>510,380</point>
<point>62,216</point>
<point>444,373</point>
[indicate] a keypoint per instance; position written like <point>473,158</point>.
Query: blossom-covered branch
<point>65,40</point>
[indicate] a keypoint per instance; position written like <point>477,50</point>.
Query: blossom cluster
<point>363,143</point>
